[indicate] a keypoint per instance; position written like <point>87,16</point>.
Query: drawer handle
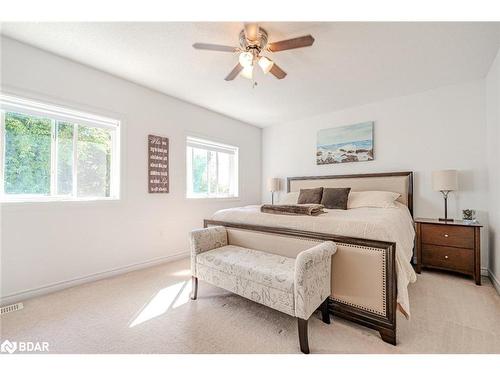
<point>446,235</point>
<point>446,257</point>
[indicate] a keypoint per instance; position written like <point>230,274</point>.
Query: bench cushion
<point>271,270</point>
<point>271,297</point>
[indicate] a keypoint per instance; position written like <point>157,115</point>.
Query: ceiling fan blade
<point>302,41</point>
<point>214,47</point>
<point>277,72</point>
<point>251,31</point>
<point>234,73</point>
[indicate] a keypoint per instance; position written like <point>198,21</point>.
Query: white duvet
<point>383,224</point>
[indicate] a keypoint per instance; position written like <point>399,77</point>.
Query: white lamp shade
<point>273,184</point>
<point>245,59</point>
<point>446,180</point>
<point>265,64</point>
<point>247,72</point>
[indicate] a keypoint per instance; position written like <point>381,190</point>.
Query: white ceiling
<point>349,64</point>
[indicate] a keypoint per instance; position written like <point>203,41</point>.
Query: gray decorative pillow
<point>308,196</point>
<point>335,198</point>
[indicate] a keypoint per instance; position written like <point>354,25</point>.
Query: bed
<point>372,267</point>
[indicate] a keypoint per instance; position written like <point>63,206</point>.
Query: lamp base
<point>443,219</point>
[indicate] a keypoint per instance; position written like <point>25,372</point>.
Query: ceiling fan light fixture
<point>246,59</point>
<point>247,72</point>
<point>253,40</point>
<point>265,64</point>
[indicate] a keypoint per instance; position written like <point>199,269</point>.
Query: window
<point>51,153</point>
<point>212,169</point>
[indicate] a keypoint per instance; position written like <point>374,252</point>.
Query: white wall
<point>47,243</point>
<point>438,129</point>
<point>493,132</point>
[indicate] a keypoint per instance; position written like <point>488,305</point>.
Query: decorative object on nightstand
<point>469,216</point>
<point>445,181</point>
<point>449,245</point>
<point>273,184</point>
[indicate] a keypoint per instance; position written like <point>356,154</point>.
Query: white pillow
<point>381,199</point>
<point>290,198</point>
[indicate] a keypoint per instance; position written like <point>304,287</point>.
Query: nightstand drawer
<point>451,258</point>
<point>447,235</point>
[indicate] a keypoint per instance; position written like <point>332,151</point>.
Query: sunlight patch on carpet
<point>170,297</point>
<point>184,295</point>
<point>185,272</point>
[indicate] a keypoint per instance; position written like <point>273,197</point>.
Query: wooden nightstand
<point>451,245</point>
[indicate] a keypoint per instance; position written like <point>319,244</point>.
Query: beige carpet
<point>149,311</point>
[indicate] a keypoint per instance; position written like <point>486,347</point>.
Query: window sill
<point>214,199</point>
<point>55,200</point>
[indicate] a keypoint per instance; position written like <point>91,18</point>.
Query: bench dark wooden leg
<point>325,314</point>
<point>194,287</point>
<point>303,339</point>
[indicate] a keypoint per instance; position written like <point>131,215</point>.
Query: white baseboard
<point>494,281</point>
<point>50,288</point>
<point>485,271</point>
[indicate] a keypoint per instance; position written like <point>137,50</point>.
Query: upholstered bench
<point>296,287</point>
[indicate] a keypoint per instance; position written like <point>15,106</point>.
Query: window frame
<point>218,147</point>
<point>57,114</point>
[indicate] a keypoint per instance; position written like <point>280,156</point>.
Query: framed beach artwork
<point>345,144</point>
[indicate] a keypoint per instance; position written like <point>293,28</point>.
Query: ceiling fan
<point>253,42</point>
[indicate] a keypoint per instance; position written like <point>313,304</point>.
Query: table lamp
<point>273,184</point>
<point>445,181</point>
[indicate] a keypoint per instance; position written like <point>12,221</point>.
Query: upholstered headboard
<point>398,182</point>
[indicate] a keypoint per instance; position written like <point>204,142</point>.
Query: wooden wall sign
<point>158,177</point>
